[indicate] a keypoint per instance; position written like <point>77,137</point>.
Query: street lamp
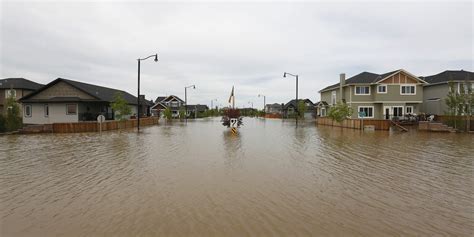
<point>296,107</point>
<point>259,95</point>
<point>186,101</point>
<point>138,96</point>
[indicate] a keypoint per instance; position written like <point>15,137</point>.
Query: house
<point>68,101</point>
<point>145,106</point>
<point>16,87</point>
<point>378,96</point>
<point>195,111</point>
<point>320,108</point>
<point>274,108</point>
<point>173,102</point>
<point>436,91</point>
<point>290,108</point>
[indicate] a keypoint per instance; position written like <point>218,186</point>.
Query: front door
<point>387,112</point>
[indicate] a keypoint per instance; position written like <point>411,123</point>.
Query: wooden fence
<point>107,125</point>
<point>379,124</point>
<point>463,123</point>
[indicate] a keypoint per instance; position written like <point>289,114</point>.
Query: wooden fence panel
<point>379,124</point>
<point>94,126</point>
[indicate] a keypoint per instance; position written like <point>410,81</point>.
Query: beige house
<point>379,96</point>
<point>68,101</point>
<point>16,87</point>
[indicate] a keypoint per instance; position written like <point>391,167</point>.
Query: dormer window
<point>10,93</point>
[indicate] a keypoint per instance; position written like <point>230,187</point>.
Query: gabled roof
<point>321,103</point>
<point>100,93</point>
<point>368,78</point>
<point>19,83</point>
<point>171,97</point>
<point>449,75</point>
<point>160,98</point>
<point>293,103</point>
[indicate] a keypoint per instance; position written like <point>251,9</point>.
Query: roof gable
<point>172,98</point>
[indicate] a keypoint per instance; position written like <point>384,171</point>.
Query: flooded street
<point>273,179</point>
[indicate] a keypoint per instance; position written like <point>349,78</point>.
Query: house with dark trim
<point>16,87</point>
<point>289,109</point>
<point>378,96</point>
<point>436,91</point>
<point>68,101</point>
<point>162,102</point>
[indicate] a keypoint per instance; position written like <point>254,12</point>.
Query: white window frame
<point>405,85</point>
<point>355,90</point>
<point>67,112</point>
<point>323,112</point>
<point>333,97</point>
<point>406,109</point>
<point>46,110</point>
<point>31,111</point>
<point>379,86</point>
<point>9,92</point>
<point>373,111</point>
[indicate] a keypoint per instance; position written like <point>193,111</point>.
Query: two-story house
<point>378,96</point>
<point>173,102</point>
<point>16,87</point>
<point>436,91</point>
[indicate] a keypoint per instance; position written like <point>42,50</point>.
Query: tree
<point>13,118</point>
<point>167,114</point>
<point>301,108</point>
<point>182,113</point>
<point>454,102</point>
<point>340,111</point>
<point>120,106</point>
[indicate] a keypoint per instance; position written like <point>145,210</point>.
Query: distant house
<point>173,102</point>
<point>145,106</point>
<point>378,96</point>
<point>16,87</point>
<point>195,111</point>
<point>274,108</point>
<point>289,109</point>
<point>321,108</point>
<point>436,91</point>
<point>68,101</point>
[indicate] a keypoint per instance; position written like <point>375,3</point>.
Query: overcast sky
<point>217,45</point>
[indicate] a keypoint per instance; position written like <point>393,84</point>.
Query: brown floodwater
<point>272,180</point>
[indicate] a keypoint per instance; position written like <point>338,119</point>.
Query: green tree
<point>301,108</point>
<point>182,113</point>
<point>13,118</point>
<point>168,114</point>
<point>340,111</point>
<point>454,102</point>
<point>120,106</point>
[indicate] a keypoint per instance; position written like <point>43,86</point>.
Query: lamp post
<point>138,96</point>
<point>296,107</point>
<point>264,103</point>
<point>186,101</point>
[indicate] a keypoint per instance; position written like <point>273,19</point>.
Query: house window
<point>323,112</point>
<point>10,93</point>
<point>382,89</point>
<point>174,104</point>
<point>362,90</point>
<point>71,109</point>
<point>407,90</point>
<point>333,98</point>
<point>368,110</point>
<point>409,109</point>
<point>46,110</point>
<point>27,110</point>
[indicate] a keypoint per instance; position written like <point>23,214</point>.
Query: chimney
<point>342,82</point>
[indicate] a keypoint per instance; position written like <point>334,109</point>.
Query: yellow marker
<point>234,130</point>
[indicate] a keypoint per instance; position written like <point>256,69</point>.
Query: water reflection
<point>272,179</point>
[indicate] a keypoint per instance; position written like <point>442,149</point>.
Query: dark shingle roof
<point>363,78</point>
<point>293,103</point>
<point>160,98</point>
<point>449,75</point>
<point>19,83</point>
<point>199,108</point>
<point>99,92</point>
